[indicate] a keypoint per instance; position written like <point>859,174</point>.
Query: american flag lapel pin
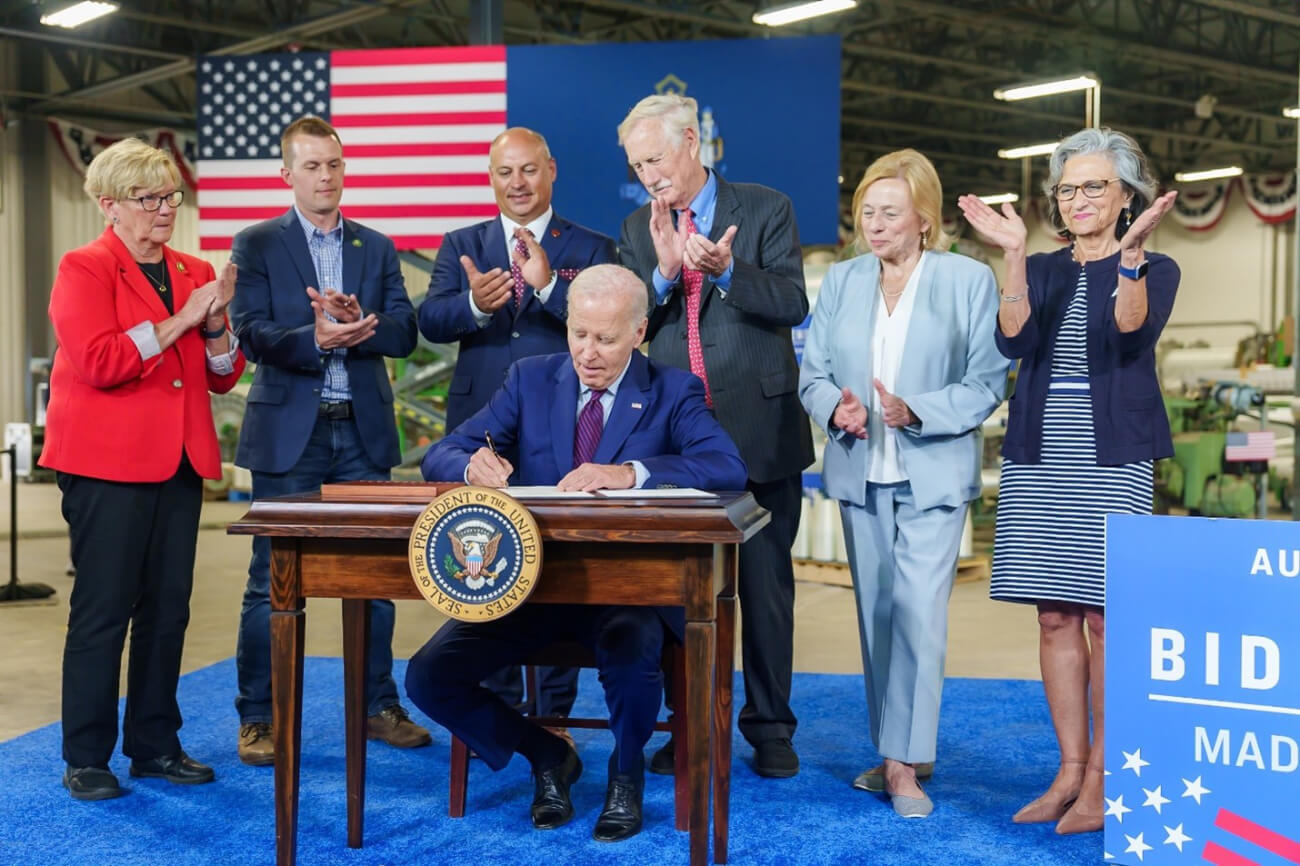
<point>636,405</point>
<point>555,233</point>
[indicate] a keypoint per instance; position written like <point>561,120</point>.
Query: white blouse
<point>889,333</point>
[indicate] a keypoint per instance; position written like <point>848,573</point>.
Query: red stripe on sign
<point>213,242</point>
<point>398,180</point>
<point>1256,834</point>
<point>453,148</point>
<point>255,182</point>
<point>438,118</point>
<point>409,56</point>
<point>361,211</point>
<point>418,88</point>
<point>417,242</point>
<point>1221,856</point>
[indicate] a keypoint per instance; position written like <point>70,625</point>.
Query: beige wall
<point>13,308</point>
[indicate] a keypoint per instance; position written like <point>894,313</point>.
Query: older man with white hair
<point>724,263</point>
<point>628,422</point>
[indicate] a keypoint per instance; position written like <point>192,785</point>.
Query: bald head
<point>522,173</point>
<point>606,322</point>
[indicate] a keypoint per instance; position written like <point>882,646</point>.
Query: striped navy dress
<point>1050,537</point>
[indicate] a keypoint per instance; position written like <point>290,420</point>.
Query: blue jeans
<point>333,453</point>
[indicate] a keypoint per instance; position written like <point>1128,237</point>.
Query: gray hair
<point>611,279</point>
<point>677,113</point>
<point>1125,155</point>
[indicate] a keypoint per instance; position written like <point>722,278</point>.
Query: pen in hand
<point>491,445</point>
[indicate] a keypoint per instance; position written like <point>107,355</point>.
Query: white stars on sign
<point>1133,761</point>
<point>1136,845</point>
<point>1195,789</point>
<point>1176,836</point>
<point>1117,808</point>
<point>1155,799</point>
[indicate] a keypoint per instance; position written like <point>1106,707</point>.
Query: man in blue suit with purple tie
<point>601,417</point>
<point>499,290</point>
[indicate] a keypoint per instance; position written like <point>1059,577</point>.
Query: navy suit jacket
<point>273,317</point>
<point>1128,410</point>
<point>659,418</point>
<point>535,329</point>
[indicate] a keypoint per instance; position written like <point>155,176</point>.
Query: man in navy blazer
<point>499,289</point>
<point>656,431</point>
<point>321,303</point>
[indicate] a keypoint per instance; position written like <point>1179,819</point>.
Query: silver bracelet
<point>1011,299</point>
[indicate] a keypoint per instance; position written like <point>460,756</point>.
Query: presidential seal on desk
<point>475,553</point>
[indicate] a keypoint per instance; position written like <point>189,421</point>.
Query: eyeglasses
<point>153,202</point>
<point>1091,189</point>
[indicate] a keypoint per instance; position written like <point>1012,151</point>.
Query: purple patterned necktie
<point>517,272</point>
<point>591,423</point>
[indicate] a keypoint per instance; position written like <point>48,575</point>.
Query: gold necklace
<point>161,286</point>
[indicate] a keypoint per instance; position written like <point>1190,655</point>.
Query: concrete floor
<point>986,639</point>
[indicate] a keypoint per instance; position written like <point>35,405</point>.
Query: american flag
<point>1249,446</point>
<point>416,124</point>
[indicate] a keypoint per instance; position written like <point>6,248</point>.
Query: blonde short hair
<point>129,165</point>
<point>911,167</point>
<point>677,113</point>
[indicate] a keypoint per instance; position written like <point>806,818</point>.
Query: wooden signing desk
<point>350,542</point>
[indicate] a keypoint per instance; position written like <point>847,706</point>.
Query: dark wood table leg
<point>356,640</point>
<point>288,627</point>
<point>700,637</point>
<point>724,675</point>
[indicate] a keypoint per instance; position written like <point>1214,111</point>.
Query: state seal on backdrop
<point>475,553</point>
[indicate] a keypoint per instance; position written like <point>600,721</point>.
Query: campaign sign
<point>1202,691</point>
<point>769,114</point>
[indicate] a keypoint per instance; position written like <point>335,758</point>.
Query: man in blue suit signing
<point>321,303</point>
<point>499,289</point>
<point>601,417</point>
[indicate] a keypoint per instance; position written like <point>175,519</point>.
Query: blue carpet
<point>996,752</point>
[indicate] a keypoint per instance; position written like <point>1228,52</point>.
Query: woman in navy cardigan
<point>1086,423</point>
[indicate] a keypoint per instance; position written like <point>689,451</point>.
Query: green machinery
<point>1197,477</point>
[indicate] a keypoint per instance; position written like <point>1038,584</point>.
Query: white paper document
<point>545,492</point>
<point>659,493</point>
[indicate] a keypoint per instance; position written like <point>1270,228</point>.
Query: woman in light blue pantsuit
<point>900,369</point>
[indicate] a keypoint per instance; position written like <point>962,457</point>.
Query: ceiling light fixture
<point>1044,149</point>
<point>1208,174</point>
<point>1001,198</point>
<point>78,14</point>
<point>1046,88</point>
<point>788,13</point>
<point>1292,111</point>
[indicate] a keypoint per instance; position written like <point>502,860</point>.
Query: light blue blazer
<point>952,375</point>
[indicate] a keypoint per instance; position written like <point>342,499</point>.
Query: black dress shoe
<point>551,804</point>
<point>663,762</point>
<point>91,783</point>
<point>179,769</point>
<point>621,817</point>
<point>776,759</point>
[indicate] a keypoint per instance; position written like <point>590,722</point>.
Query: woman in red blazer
<point>142,340</point>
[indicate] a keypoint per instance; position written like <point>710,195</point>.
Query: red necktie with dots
<point>694,282</point>
<point>517,273</point>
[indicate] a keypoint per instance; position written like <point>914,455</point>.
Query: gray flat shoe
<point>873,780</point>
<point>912,807</point>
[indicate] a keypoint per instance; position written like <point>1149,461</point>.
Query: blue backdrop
<point>1202,690</point>
<point>774,103</point>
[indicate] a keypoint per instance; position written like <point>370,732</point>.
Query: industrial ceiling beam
<point>63,38</point>
<point>313,27</point>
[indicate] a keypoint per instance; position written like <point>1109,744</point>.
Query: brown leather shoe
<point>256,747</point>
<point>394,727</point>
